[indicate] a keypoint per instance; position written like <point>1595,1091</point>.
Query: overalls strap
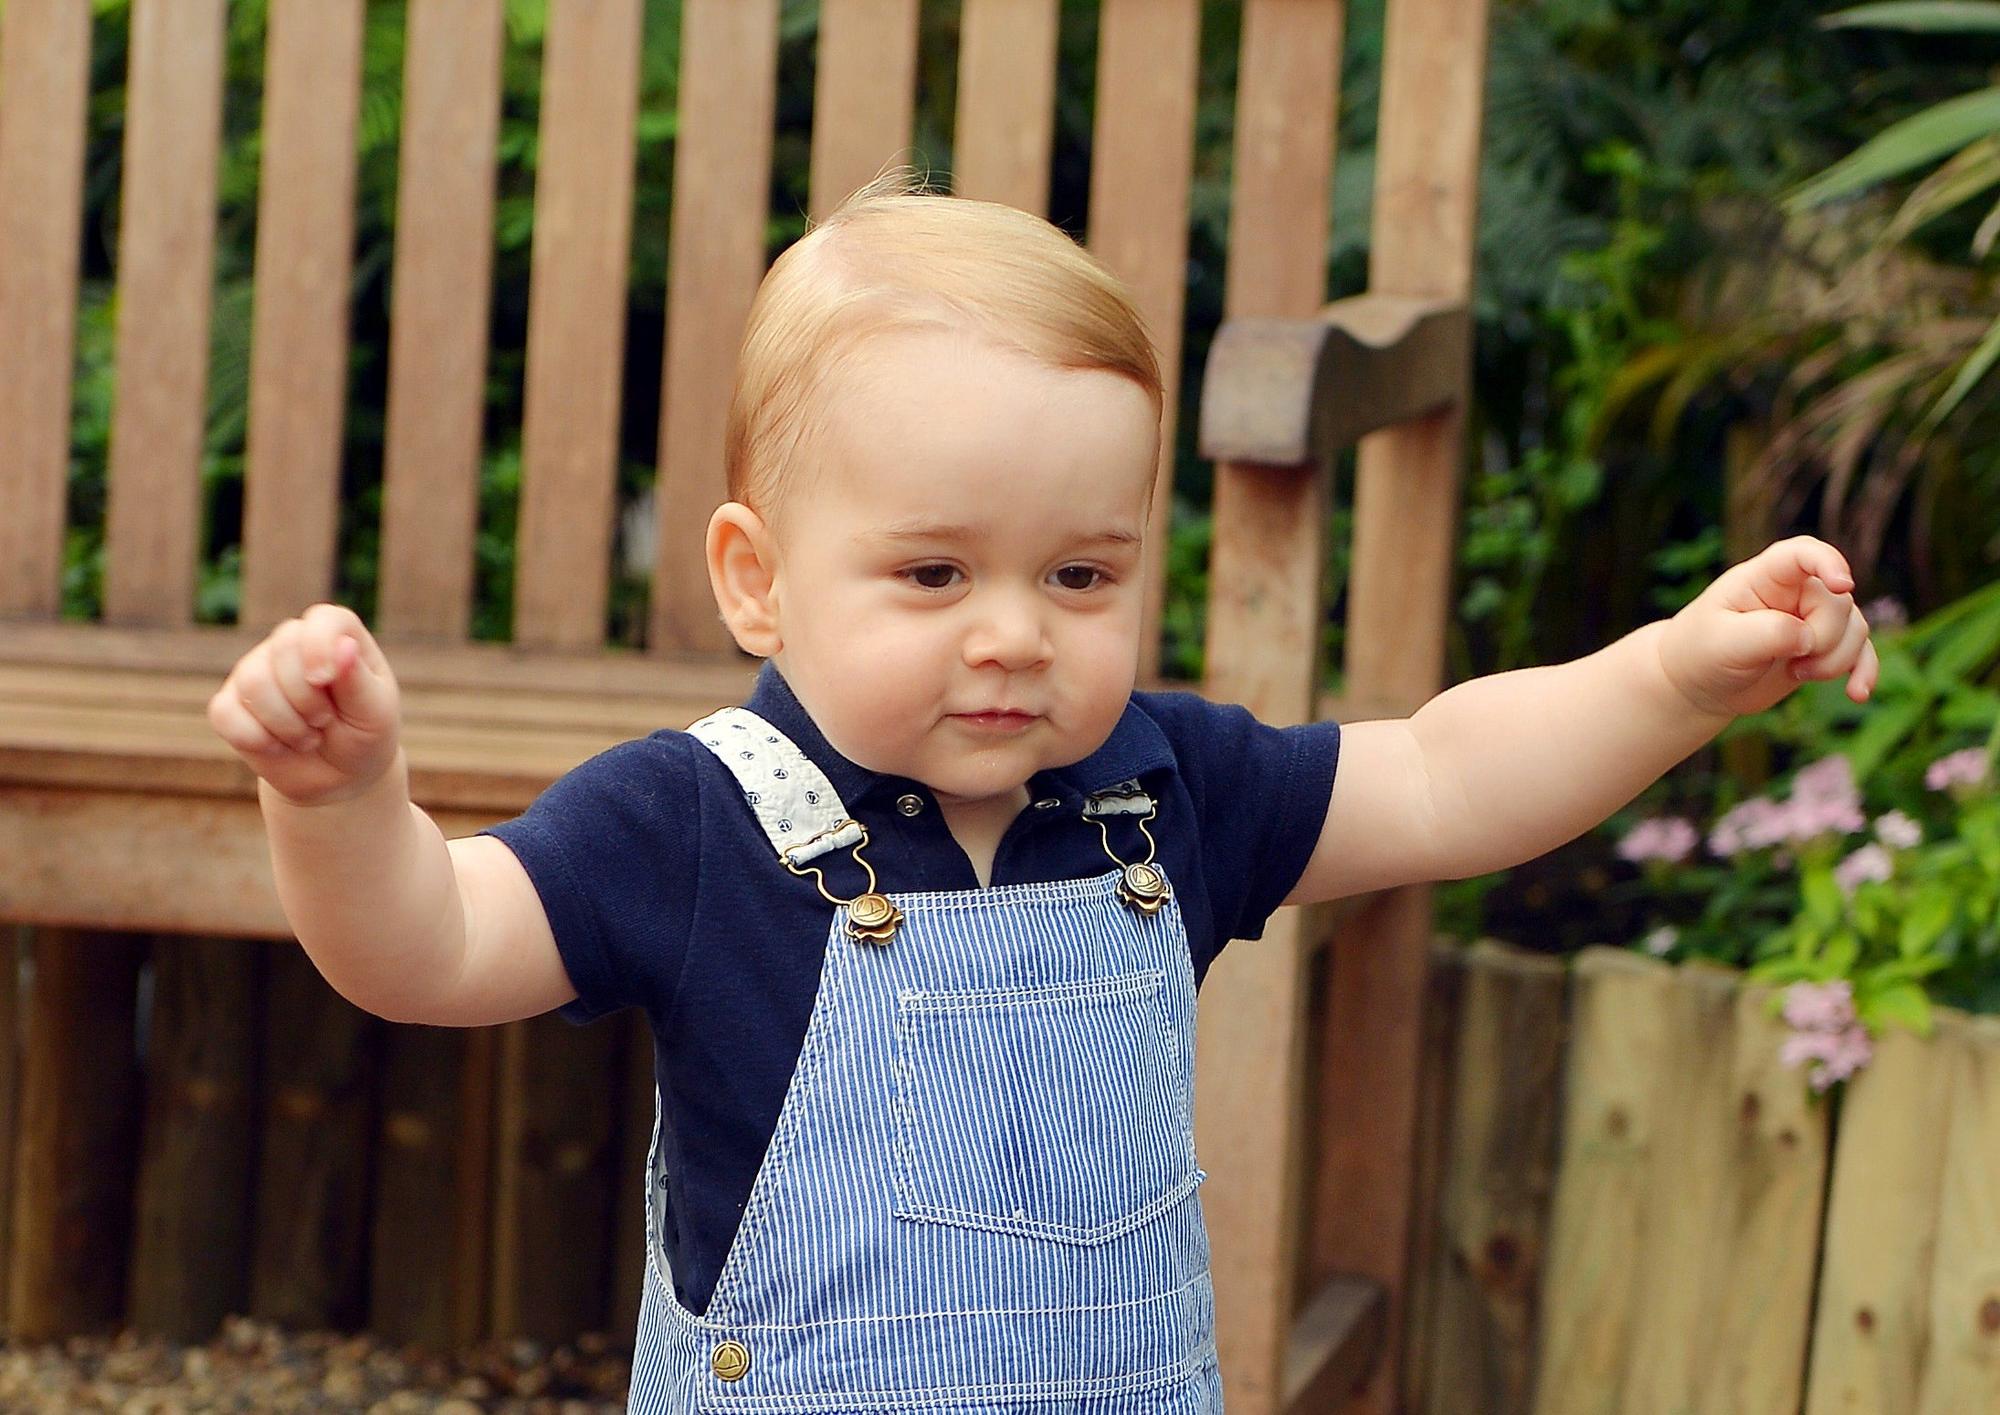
<point>795,804</point>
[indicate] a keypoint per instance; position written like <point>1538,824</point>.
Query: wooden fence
<point>280,1153</point>
<point>1631,1206</point>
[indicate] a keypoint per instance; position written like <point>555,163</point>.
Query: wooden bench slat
<point>722,182</point>
<point>166,243</point>
<point>1004,131</point>
<point>298,342</point>
<point>214,649</point>
<point>44,81</point>
<point>864,94</point>
<point>438,326</point>
<point>576,323</point>
<point>1334,1341</point>
<point>1262,650</point>
<point>1148,62</point>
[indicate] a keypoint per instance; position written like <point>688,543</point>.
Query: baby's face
<point>968,542</point>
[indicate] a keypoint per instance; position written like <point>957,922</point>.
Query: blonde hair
<point>894,257</point>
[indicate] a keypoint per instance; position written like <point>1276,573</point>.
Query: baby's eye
<point>931,577</point>
<point>1093,577</point>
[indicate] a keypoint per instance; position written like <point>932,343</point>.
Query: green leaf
<point>1969,373</point>
<point>1946,127</point>
<point>1929,916</point>
<point>1902,1003</point>
<point>1933,16</point>
<point>1822,898</point>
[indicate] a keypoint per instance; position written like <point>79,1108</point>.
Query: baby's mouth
<point>997,721</point>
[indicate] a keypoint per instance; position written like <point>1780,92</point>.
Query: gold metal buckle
<point>871,916</point>
<point>1143,886</point>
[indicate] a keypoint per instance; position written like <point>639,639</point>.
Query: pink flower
<point>1895,828</point>
<point>1826,1032</point>
<point>1661,838</point>
<point>1660,942</point>
<point>1887,612</point>
<point>1966,767</point>
<point>1823,800</point>
<point>1869,862</point>
<point>1820,1007</point>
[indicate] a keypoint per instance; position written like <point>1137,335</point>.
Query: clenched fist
<point>313,709</point>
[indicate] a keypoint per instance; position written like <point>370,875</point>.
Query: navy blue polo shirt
<point>663,893</point>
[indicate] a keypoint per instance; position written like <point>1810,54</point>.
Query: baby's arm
<point>399,921</point>
<point>1501,769</point>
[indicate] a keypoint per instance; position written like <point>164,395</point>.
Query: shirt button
<point>1047,803</point>
<point>910,804</point>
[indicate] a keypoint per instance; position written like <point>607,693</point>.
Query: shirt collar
<point>1136,746</point>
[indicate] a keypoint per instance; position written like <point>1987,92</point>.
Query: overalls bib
<point>981,1193</point>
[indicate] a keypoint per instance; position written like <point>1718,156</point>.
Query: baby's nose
<point>1009,632</point>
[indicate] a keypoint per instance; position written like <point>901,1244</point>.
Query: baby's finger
<point>234,724</point>
<point>1779,573</point>
<point>289,665</point>
<point>1844,654</point>
<point>267,702</point>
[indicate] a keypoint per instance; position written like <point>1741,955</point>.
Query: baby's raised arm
<point>399,921</point>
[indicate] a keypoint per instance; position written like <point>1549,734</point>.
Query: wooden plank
<point>298,338</point>
<point>1688,1191</point>
<point>44,81</point>
<point>1333,1343</point>
<point>1399,596</point>
<point>1873,1323</point>
<point>555,1144</point>
<point>1962,1370</point>
<point>1004,131</point>
<point>1148,62</point>
<point>1483,1330</point>
<point>438,324</point>
<point>75,1157</point>
<point>214,649</point>
<point>1262,651</point>
<point>16,949</point>
<point>187,865</point>
<point>321,1060</point>
<point>1444,1000</point>
<point>1763,1253</point>
<point>864,93</point>
<point>576,323</point>
<point>1290,391</point>
<point>1620,1044</point>
<point>166,242</point>
<point>190,1260</point>
<point>427,1280</point>
<point>722,175</point>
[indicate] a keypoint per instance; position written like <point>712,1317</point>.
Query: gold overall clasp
<point>871,916</point>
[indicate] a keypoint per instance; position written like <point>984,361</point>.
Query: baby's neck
<point>978,826</point>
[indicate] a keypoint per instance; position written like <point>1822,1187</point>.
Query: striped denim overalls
<point>981,1194</point>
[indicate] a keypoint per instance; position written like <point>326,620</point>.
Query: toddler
<point>918,928</point>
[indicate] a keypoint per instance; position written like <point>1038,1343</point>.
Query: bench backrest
<point>1146,86</point>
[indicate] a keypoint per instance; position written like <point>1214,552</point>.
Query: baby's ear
<point>741,559</point>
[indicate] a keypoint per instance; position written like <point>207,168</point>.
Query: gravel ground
<point>255,1367</point>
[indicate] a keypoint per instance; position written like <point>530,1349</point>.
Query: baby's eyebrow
<point>899,531</point>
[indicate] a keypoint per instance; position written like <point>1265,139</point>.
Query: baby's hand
<point>313,709</point>
<point>1768,624</point>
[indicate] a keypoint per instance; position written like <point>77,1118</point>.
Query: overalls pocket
<point>1059,1111</point>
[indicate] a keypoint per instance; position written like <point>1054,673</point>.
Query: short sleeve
<point>1260,794</point>
<point>611,847</point>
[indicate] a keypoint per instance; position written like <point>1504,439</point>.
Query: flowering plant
<point>1862,933</point>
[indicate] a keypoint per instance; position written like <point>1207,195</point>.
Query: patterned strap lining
<point>795,803</point>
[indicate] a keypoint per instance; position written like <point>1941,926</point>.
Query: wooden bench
<point>130,841</point>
